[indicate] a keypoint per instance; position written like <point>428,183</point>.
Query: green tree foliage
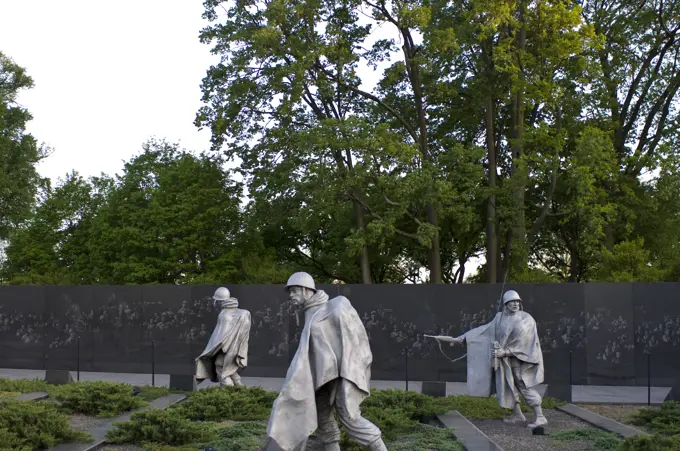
<point>19,151</point>
<point>391,141</point>
<point>170,217</point>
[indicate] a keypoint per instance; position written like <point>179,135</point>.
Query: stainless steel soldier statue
<point>227,349</point>
<point>508,348</point>
<point>331,370</point>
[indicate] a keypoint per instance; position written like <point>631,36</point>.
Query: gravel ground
<point>83,422</point>
<point>622,413</point>
<point>519,438</point>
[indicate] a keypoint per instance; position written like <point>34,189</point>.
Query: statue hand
<point>500,353</point>
<point>456,341</point>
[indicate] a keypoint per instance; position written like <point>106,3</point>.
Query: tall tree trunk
<point>435,261</point>
<point>491,231</point>
<point>364,262</point>
<point>517,239</point>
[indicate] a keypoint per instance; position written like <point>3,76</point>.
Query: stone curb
<point>600,421</point>
<point>467,433</point>
<point>33,396</point>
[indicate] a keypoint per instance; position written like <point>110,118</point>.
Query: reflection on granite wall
<point>597,333</point>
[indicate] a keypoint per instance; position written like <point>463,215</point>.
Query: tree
<point>52,248</point>
<point>171,217</point>
<point>289,81</point>
<point>19,151</point>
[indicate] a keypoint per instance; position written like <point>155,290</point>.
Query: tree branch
<point>374,214</point>
<point>407,126</point>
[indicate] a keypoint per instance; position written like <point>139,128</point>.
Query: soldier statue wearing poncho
<point>331,370</point>
<point>227,349</point>
<point>508,347</point>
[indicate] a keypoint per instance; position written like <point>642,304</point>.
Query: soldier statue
<point>509,349</point>
<point>227,349</point>
<point>331,370</point>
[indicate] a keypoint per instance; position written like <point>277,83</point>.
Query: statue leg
<point>532,398</point>
<point>327,429</point>
<point>516,416</point>
<point>347,401</point>
<point>236,378</point>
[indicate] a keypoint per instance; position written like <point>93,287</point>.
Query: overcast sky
<point>108,76</point>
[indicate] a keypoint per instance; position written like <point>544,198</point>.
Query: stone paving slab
<point>33,396</point>
<point>600,421</point>
<point>99,432</point>
<point>467,433</point>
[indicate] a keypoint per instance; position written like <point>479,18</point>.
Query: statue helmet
<point>222,294</point>
<point>511,295</point>
<point>301,279</point>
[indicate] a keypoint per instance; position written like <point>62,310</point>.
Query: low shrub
<point>30,425</point>
<point>601,440</point>
<point>167,427</point>
<point>426,438</point>
<point>150,393</point>
<point>23,385</point>
<point>651,443</point>
<point>664,420</point>
<point>8,394</point>
<point>97,398</point>
<point>241,436</point>
<point>228,403</point>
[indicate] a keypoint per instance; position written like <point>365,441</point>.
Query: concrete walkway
<point>587,394</point>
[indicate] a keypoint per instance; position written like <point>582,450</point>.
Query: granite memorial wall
<point>603,334</point>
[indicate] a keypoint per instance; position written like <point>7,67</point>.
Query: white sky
<point>108,76</point>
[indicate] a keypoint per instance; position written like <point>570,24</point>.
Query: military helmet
<point>301,279</point>
<point>222,294</point>
<point>511,295</point>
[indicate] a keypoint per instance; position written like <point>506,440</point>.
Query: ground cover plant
<point>664,422</point>
<point>30,425</point>
<point>92,398</point>
<point>598,439</point>
<point>234,418</point>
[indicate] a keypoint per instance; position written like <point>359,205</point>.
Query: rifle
<point>441,338</point>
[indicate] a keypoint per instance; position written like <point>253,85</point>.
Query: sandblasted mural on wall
<point>117,325</point>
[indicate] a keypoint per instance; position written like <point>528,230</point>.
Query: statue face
<point>296,295</point>
<point>512,306</point>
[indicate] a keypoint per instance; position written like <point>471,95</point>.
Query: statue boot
<point>333,446</point>
<point>540,418</point>
<point>516,416</point>
<point>378,445</point>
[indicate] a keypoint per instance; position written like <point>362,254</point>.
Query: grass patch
<point>29,425</point>
<point>601,440</point>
